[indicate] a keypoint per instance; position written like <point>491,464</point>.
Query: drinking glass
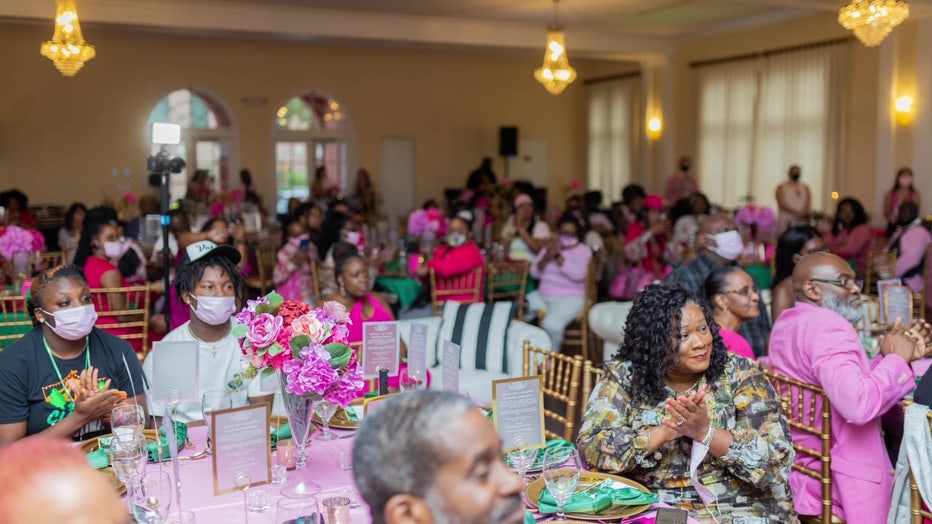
<point>128,453</point>
<point>181,517</point>
<point>521,457</point>
<point>214,400</point>
<point>127,419</point>
<point>561,474</point>
<point>154,498</point>
<point>302,510</point>
<point>325,411</point>
<point>412,379</point>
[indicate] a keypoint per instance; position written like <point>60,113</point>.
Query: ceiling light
<point>67,48</point>
<point>872,20</point>
<point>555,73</point>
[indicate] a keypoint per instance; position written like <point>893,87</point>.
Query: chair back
<point>592,373</point>
<point>577,333</point>
<point>919,299</point>
<point>879,267</point>
<point>14,319</point>
<point>560,376</point>
<point>807,409</point>
<point>916,509</point>
<point>508,281</point>
<point>465,288</point>
<point>265,264</point>
<point>315,283</point>
<point>50,259</point>
<point>129,309</point>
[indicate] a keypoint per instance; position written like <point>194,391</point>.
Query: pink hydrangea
<point>351,385</point>
<point>312,375</point>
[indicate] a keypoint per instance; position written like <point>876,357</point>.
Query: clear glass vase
<point>300,409</point>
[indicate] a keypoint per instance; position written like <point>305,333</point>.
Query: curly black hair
<point>188,274</point>
<point>651,339</point>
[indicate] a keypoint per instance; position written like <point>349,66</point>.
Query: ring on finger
<point>681,421</point>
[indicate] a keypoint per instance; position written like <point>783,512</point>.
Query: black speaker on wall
<point>508,141</point>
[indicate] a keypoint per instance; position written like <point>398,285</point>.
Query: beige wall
<point>60,138</point>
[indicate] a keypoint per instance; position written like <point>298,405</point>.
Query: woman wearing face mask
<point>458,256</point>
<point>794,244</point>
<point>561,267</point>
<point>903,191</point>
<point>646,239</point>
<point>63,377</point>
<point>211,286</point>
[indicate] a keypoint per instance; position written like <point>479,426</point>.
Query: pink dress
<point>94,270</point>
<point>736,343</point>
<point>449,262</point>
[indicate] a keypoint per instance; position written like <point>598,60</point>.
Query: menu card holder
<point>450,367</point>
<point>417,347</point>
<point>380,347</point>
<point>175,369</point>
<point>898,303</point>
<point>882,286</point>
<point>518,410</point>
<point>240,444</point>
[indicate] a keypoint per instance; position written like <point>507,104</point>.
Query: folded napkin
<point>529,518</point>
<point>551,444</point>
<point>99,459</point>
<point>282,432</point>
<point>597,498</point>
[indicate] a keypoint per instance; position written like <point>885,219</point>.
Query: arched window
<point>311,130</point>
<point>206,138</point>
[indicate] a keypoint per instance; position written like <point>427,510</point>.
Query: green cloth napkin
<point>597,498</point>
<point>529,518</point>
<point>283,432</point>
<point>551,444</point>
<point>99,459</point>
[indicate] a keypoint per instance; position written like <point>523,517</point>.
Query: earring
<point>342,289</point>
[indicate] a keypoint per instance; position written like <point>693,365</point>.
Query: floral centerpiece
<point>760,219</point>
<point>424,220</point>
<point>15,239</point>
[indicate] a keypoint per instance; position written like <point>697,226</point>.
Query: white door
<point>397,176</point>
<point>532,163</point>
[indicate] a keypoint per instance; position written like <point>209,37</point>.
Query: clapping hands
<point>93,398</point>
<point>688,415</point>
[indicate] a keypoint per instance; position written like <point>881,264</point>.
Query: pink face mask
<point>905,181</point>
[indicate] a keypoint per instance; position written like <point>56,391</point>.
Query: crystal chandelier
<point>872,20</point>
<point>67,48</point>
<point>555,73</point>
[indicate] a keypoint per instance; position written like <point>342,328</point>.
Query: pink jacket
<point>818,346</point>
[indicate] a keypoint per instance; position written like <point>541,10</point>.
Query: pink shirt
<point>852,244</point>
<point>568,280</point>
<point>736,343</point>
<point>818,346</point>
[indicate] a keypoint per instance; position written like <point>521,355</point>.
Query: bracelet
<point>707,441</point>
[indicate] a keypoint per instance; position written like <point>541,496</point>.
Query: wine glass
<point>325,410</point>
<point>521,457</point>
<point>561,474</point>
<point>154,498</point>
<point>128,453</point>
<point>127,419</point>
<point>411,379</point>
<point>214,400</point>
<point>301,510</point>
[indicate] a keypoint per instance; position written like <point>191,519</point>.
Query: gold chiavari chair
<point>50,259</point>
<point>466,287</point>
<point>128,307</point>
<point>315,280</point>
<point>807,409</point>
<point>916,510</point>
<point>508,281</point>
<point>265,263</point>
<point>592,373</point>
<point>14,319</point>
<point>577,333</point>
<point>879,267</point>
<point>560,375</point>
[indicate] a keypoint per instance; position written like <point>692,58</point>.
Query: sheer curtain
<point>613,135</point>
<point>759,116</point>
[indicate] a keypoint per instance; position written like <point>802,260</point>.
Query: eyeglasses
<point>746,291</point>
<point>844,282</point>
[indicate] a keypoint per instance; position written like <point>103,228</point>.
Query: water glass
<point>279,475</point>
<point>561,474</point>
<point>303,510</point>
<point>181,517</point>
<point>337,510</point>
<point>154,499</point>
<point>521,457</point>
<point>127,419</point>
<point>128,454</point>
<point>258,501</point>
<point>346,460</point>
<point>325,411</point>
<point>214,400</point>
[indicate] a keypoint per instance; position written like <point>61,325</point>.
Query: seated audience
<point>51,481</point>
<point>135,228</point>
<point>70,232</point>
<point>458,256</point>
<point>685,217</point>
<point>448,467</point>
<point>523,233</point>
<point>627,212</point>
<point>646,239</point>
<point>815,342</point>
<point>292,275</point>
<point>795,243</point>
<point>911,240</point>
<point>63,378</point>
<point>673,386</point>
<point>903,191</point>
<point>850,236</point>
<point>16,205</point>
<point>734,298</point>
<point>210,284</point>
<point>561,266</point>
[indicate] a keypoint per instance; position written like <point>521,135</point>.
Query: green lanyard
<point>87,358</point>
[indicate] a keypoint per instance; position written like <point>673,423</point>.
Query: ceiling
<point>616,29</point>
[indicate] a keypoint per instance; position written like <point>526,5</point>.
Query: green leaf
<point>300,342</point>
<point>239,330</point>
<point>267,372</point>
<point>264,308</point>
<point>275,349</point>
<point>275,300</point>
<point>339,354</point>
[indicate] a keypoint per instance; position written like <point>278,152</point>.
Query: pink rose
<point>308,325</point>
<point>337,312</point>
<point>263,330</point>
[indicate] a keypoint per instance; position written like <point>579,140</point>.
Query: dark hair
<point>429,203</point>
<point>69,215</point>
<point>304,208</point>
<point>386,465</point>
<point>860,216</point>
<point>210,223</point>
<point>340,263</point>
<point>569,218</point>
<point>188,274</point>
<point>716,283</point>
<point>320,172</point>
<point>92,227</point>
<point>651,335</point>
<point>683,207</point>
<point>330,231</point>
<point>632,191</point>
<point>41,281</point>
<point>791,242</point>
<point>901,171</point>
<point>17,195</point>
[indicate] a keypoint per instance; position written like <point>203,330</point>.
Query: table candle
<point>284,452</point>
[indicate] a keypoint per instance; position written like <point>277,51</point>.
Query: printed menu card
<point>450,367</point>
<point>174,370</point>
<point>379,348</point>
<point>518,410</point>
<point>898,304</point>
<point>241,442</point>
<point>417,347</point>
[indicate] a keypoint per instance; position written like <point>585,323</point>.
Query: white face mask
<point>353,237</point>
<point>113,249</point>
<point>214,311</point>
<point>728,245</point>
<point>73,323</point>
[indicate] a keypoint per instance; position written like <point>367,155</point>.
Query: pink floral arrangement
<point>14,239</point>
<point>760,217</point>
<point>424,220</point>
<point>308,345</point>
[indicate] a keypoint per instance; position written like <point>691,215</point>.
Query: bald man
<point>719,244</point>
<point>815,342</point>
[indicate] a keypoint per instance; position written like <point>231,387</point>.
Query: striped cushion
<point>481,330</point>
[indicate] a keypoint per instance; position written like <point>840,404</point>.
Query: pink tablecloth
<point>198,494</point>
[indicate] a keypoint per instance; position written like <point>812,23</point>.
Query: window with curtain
<point>613,134</point>
<point>759,116</point>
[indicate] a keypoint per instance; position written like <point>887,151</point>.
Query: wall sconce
<point>654,128</point>
<point>905,107</point>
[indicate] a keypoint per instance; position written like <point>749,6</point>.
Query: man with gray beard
<point>815,342</point>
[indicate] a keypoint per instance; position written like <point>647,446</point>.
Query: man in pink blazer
<point>815,342</point>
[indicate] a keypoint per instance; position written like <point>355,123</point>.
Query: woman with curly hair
<point>673,395</point>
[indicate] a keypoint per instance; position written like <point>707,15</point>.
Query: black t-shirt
<point>31,391</point>
<point>923,393</point>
